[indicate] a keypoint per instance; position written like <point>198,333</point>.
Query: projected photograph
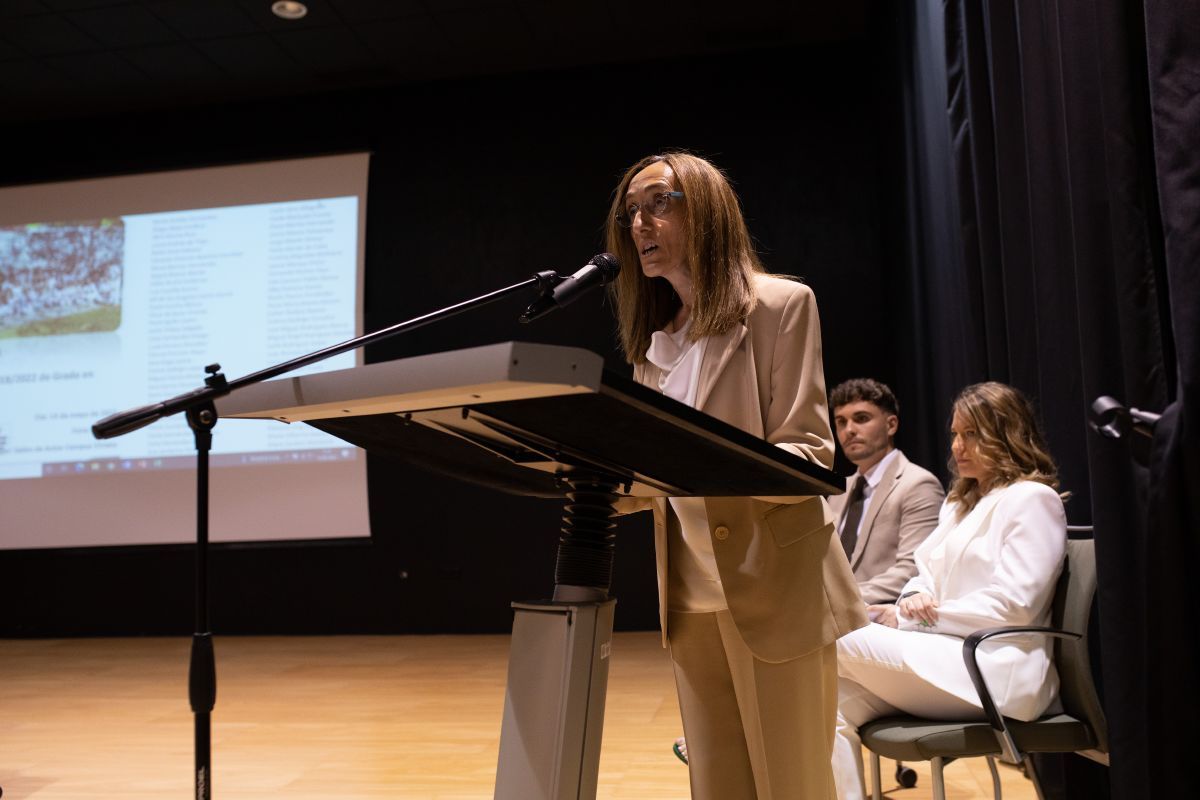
<point>58,278</point>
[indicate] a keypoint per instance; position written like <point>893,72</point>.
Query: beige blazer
<point>902,512</point>
<point>787,583</point>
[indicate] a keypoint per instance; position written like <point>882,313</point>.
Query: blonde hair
<point>1010,444</point>
<point>719,252</point>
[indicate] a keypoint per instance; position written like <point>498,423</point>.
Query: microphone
<point>597,272</point>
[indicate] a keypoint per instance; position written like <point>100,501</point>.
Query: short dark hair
<point>864,390</point>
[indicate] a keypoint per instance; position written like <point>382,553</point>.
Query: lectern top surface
<point>493,373</point>
<point>516,416</point>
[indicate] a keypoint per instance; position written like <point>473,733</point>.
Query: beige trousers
<point>755,730</point>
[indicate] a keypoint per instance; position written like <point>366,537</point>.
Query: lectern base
<point>554,704</point>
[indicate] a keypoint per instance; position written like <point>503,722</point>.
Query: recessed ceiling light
<point>288,9</point>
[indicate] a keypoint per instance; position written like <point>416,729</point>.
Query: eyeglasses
<point>659,205</point>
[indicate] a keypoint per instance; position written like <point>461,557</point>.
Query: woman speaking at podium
<point>753,592</point>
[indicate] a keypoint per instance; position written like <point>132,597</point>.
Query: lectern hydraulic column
<point>549,422</point>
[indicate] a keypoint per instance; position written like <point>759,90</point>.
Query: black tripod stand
<point>202,672</point>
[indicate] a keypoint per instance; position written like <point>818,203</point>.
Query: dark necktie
<point>854,511</point>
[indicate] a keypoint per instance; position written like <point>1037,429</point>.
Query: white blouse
<point>695,582</point>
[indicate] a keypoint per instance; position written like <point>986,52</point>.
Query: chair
<point>1080,728</point>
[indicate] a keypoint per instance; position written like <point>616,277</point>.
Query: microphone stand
<point>200,409</point>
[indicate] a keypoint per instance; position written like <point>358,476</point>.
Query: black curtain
<point>1035,239</point>
<point>931,283</point>
<point>1157,734</point>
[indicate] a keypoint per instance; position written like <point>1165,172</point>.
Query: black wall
<point>475,185</point>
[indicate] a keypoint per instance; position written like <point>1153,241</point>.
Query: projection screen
<point>116,292</point>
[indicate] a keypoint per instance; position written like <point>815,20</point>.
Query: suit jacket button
<point>721,532</point>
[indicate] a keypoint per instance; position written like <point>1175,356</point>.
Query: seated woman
<point>993,560</point>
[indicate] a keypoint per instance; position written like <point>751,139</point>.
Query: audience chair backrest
<point>1073,602</point>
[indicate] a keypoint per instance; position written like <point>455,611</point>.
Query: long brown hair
<point>1010,444</point>
<point>719,251</point>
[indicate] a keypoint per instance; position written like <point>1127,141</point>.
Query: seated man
<point>890,504</point>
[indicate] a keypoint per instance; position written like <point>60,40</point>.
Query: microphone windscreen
<point>608,264</point>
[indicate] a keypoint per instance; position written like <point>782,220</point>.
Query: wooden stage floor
<point>326,717</point>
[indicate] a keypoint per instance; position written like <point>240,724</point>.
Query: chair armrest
<point>1008,748</point>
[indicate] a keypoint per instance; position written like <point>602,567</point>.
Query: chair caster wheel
<point>906,777</point>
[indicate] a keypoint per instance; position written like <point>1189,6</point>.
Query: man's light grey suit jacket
<point>903,511</point>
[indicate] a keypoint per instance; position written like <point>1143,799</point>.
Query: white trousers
<point>874,682</point>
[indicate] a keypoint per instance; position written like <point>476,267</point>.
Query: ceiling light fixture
<point>288,9</point>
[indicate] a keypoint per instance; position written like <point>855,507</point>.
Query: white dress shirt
<point>695,582</point>
<point>872,477</point>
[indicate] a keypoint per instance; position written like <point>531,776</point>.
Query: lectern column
<point>558,665</point>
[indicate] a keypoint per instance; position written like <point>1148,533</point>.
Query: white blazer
<point>997,566</point>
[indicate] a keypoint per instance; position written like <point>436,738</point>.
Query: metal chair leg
<point>1033,776</point>
<point>876,781</point>
<point>939,783</point>
<point>995,777</point>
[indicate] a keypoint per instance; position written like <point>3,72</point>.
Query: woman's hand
<point>921,607</point>
<point>884,614</point>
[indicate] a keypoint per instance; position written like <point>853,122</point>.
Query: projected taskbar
<point>110,465</point>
